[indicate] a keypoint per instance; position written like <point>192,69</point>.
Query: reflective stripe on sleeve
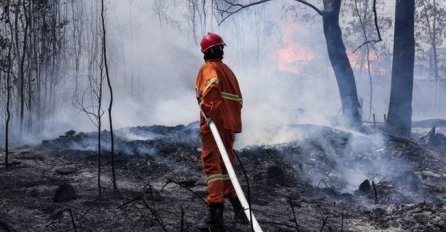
<point>209,83</point>
<point>232,97</point>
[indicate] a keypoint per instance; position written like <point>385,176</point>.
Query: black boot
<point>214,220</point>
<point>239,213</point>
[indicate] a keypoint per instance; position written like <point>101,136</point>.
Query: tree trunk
<point>8,112</point>
<point>399,120</point>
<point>340,63</point>
<point>22,69</point>
<point>18,57</point>
<point>99,133</point>
<point>112,140</point>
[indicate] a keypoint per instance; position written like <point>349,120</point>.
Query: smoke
<point>280,61</point>
<point>154,57</point>
<point>339,159</point>
<point>283,70</point>
<point>152,68</point>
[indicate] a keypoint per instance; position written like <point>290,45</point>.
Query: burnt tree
<point>35,31</point>
<point>430,20</point>
<point>104,51</point>
<point>94,111</point>
<point>8,111</point>
<point>399,120</point>
<point>5,68</point>
<point>340,63</point>
<point>5,72</point>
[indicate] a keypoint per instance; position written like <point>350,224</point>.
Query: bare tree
<point>8,111</point>
<point>6,64</point>
<point>77,14</point>
<point>93,109</point>
<point>5,69</point>
<point>431,21</point>
<point>104,54</point>
<point>37,32</point>
<point>91,100</point>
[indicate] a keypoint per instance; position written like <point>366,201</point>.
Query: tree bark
<point>340,63</point>
<point>399,120</point>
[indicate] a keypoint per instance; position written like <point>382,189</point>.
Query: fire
<point>355,62</point>
<point>353,58</point>
<point>291,56</point>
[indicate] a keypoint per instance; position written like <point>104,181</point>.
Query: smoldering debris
<point>433,138</point>
<point>66,170</point>
<point>365,187</point>
<point>128,141</point>
<point>306,184</point>
<point>65,192</point>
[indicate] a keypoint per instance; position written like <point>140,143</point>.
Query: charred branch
<point>320,12</point>
<point>154,213</point>
<point>182,220</point>
<point>249,188</point>
<point>375,14</point>
<point>294,214</point>
<point>324,222</point>
<point>233,8</point>
<point>72,220</point>
<point>169,181</point>
<point>374,191</point>
<point>147,189</point>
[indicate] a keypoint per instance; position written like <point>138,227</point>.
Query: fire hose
<point>232,176</point>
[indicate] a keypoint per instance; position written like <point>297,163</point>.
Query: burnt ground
<point>305,185</point>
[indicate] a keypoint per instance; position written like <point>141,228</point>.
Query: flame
<point>354,59</point>
<point>291,56</point>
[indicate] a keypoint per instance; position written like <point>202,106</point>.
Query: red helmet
<point>211,40</point>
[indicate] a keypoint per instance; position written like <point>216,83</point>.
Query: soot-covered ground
<point>327,180</point>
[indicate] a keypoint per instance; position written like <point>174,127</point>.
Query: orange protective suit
<point>220,99</point>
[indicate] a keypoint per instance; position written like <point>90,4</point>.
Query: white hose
<point>233,177</point>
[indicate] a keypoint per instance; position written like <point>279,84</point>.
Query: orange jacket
<point>219,96</point>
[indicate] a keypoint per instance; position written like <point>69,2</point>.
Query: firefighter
<point>220,100</point>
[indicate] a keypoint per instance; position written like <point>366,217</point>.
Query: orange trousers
<point>219,184</point>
